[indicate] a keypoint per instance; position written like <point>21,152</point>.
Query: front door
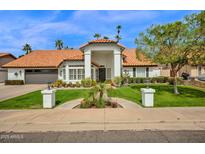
<point>102,75</point>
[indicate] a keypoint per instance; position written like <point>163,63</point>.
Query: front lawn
<point>164,96</point>
<point>34,100</point>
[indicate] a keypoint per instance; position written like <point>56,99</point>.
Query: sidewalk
<point>102,119</point>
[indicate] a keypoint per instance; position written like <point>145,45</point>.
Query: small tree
<point>97,35</point>
<point>167,44</point>
<point>196,24</point>
<point>59,44</point>
<point>27,48</point>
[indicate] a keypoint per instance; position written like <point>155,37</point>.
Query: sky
<point>41,28</point>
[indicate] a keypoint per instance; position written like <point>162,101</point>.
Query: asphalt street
<point>115,136</point>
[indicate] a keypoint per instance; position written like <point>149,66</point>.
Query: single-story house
<point>5,58</point>
<point>100,59</point>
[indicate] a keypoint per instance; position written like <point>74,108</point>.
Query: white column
<point>87,63</point>
<point>117,63</point>
<point>67,72</point>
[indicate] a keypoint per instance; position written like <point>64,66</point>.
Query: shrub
<point>85,103</point>
<point>108,82</point>
<point>70,84</point>
<point>179,81</point>
<point>125,78</point>
<point>14,82</point>
<point>64,84</point>
<point>57,83</point>
<point>78,84</point>
<point>100,103</point>
<point>117,81</point>
<point>87,82</point>
<point>159,79</point>
<point>94,83</point>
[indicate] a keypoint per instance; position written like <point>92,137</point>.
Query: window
<point>108,73</point>
<point>64,74</point>
<point>76,74</point>
<point>141,72</point>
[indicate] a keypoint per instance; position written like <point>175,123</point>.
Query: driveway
<point>11,91</point>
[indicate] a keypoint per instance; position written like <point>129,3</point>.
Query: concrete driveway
<point>9,91</point>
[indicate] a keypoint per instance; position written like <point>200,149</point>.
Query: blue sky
<point>42,28</point>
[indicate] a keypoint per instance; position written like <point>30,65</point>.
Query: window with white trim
<point>76,74</point>
<point>108,73</point>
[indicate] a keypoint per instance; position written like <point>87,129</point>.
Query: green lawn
<point>164,96</point>
<point>34,100</point>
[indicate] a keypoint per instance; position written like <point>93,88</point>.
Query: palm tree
<point>59,44</point>
<point>27,48</point>
<point>97,36</point>
<point>118,37</point>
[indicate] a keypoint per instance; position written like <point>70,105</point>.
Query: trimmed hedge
<point>159,79</point>
<point>14,82</point>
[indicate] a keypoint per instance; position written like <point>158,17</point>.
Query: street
<point>115,136</point>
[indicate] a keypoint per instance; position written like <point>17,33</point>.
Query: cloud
<point>42,28</point>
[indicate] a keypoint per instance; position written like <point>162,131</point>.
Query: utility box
<point>49,98</point>
<point>147,97</point>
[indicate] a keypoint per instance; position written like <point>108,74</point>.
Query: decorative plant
<point>117,81</point>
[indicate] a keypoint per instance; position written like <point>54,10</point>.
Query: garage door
<point>41,76</point>
<point>3,75</point>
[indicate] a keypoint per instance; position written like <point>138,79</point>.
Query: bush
<point>94,83</point>
<point>78,84</point>
<point>87,82</point>
<point>179,81</point>
<point>85,103</point>
<point>58,83</point>
<point>117,81</point>
<point>14,82</point>
<point>159,79</point>
<point>108,82</point>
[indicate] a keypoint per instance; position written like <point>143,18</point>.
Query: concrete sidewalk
<point>102,119</point>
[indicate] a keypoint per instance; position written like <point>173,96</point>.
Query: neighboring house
<point>5,58</point>
<point>193,70</point>
<point>100,60</point>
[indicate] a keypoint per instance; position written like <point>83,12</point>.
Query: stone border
<point>123,102</point>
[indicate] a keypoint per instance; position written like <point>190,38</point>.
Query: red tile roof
<point>130,59</point>
<point>45,58</point>
<point>6,54</point>
<point>97,41</point>
<point>53,58</point>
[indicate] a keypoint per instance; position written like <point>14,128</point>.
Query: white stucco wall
<point>113,61</point>
<point>154,71</point>
<point>129,70</point>
<point>141,71</point>
<point>13,71</point>
<point>104,58</point>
